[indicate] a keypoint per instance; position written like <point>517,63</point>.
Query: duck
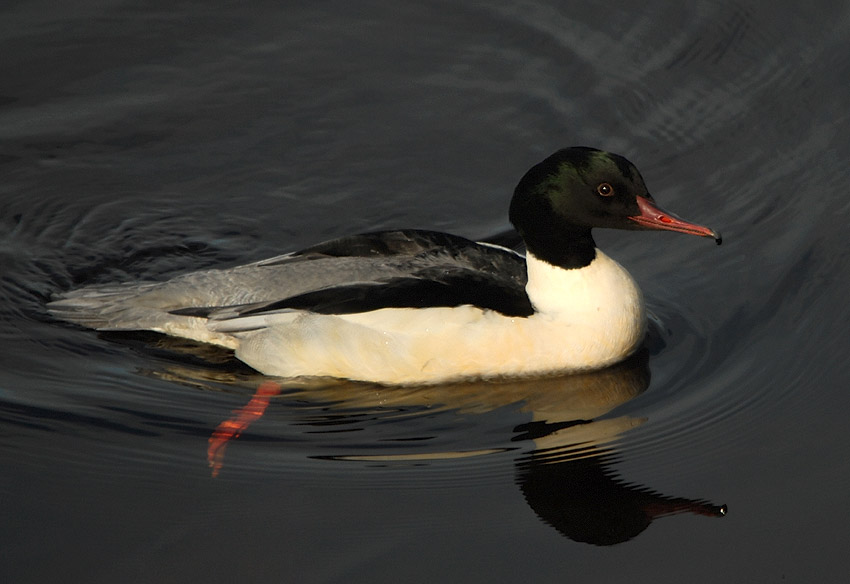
<point>411,306</point>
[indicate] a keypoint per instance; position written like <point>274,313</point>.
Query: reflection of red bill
<point>232,428</point>
<point>673,506</point>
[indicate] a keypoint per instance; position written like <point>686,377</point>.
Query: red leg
<point>232,428</point>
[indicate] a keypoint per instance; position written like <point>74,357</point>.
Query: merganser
<point>419,307</point>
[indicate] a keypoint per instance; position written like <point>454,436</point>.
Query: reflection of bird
<point>417,306</point>
<point>584,501</point>
<point>565,478</point>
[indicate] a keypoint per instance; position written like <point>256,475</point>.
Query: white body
<point>585,319</point>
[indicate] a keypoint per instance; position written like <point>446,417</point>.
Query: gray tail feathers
<point>110,307</point>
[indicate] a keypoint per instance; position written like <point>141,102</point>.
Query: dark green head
<point>561,199</point>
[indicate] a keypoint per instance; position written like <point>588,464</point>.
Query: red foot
<point>232,428</point>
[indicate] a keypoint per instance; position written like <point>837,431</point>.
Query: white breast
<point>601,295</point>
<point>585,318</point>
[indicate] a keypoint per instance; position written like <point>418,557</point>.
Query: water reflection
<point>565,473</point>
<point>584,500</point>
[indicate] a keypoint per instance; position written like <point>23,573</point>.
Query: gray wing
<point>349,274</point>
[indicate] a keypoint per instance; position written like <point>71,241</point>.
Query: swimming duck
<point>413,306</point>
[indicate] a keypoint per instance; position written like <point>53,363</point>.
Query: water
<point>144,140</point>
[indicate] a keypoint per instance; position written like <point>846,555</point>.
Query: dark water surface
<point>141,140</point>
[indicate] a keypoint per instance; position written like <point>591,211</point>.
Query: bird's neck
<point>568,249</point>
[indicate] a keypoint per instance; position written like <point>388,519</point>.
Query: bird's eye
<point>605,189</point>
